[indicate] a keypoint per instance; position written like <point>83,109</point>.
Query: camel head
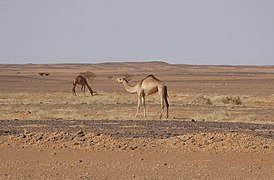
<point>121,80</point>
<point>126,77</point>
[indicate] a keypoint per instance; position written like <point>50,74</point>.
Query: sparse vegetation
<point>88,74</point>
<point>121,106</point>
<point>248,118</point>
<point>214,116</point>
<point>235,100</point>
<point>202,100</point>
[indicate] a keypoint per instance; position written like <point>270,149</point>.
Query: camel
<point>147,86</point>
<point>80,80</point>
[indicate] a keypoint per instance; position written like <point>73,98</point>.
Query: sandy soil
<point>85,164</point>
<point>103,140</point>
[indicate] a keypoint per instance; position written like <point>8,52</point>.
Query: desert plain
<point>221,123</point>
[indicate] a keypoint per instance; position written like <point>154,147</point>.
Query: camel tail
<point>166,96</point>
<point>166,100</point>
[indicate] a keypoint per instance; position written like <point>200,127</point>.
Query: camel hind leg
<point>164,102</point>
<point>162,107</point>
<point>167,107</point>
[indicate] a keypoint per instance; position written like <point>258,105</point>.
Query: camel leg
<point>83,88</point>
<point>138,105</point>
<point>167,107</point>
<point>144,103</point>
<point>165,95</point>
<point>162,106</point>
<point>73,90</point>
<point>90,90</point>
<point>162,102</point>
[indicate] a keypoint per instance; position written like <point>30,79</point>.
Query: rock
<point>80,133</point>
<point>79,161</point>
<point>39,136</point>
<point>133,147</point>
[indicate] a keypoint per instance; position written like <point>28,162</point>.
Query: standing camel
<point>149,85</point>
<point>80,80</point>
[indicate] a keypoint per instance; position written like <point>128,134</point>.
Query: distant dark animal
<point>80,80</point>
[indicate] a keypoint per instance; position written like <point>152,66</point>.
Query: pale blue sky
<point>233,32</point>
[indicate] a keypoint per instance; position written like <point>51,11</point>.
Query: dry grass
<point>122,106</point>
<point>202,100</point>
<point>65,106</point>
<point>210,99</point>
<point>213,116</point>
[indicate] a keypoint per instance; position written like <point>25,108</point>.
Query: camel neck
<point>129,88</point>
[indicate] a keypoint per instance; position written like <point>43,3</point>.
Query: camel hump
<point>151,76</point>
<point>80,76</point>
<point>148,78</point>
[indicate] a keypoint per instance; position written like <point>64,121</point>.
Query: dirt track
<point>135,128</point>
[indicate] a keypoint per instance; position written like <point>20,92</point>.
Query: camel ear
<point>126,79</point>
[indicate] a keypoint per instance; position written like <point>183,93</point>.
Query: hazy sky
<point>175,31</point>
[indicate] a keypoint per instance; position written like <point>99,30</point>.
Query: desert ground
<point>221,123</point>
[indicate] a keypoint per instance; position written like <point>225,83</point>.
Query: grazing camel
<point>149,85</point>
<point>80,80</point>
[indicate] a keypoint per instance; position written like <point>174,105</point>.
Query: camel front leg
<point>73,91</point>
<point>83,89</point>
<point>144,103</point>
<point>138,105</point>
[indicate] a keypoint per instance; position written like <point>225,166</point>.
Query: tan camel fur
<point>80,80</point>
<point>145,87</point>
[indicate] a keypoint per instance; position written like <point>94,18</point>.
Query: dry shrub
<point>202,100</point>
<point>89,75</point>
<point>236,100</point>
